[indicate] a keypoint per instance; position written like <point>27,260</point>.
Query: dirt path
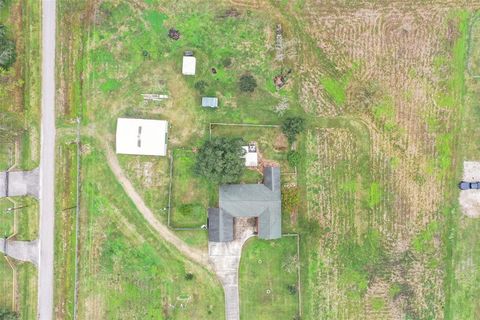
<point>193,254</point>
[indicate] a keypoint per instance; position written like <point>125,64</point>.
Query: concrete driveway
<point>225,258</point>
<point>20,250</point>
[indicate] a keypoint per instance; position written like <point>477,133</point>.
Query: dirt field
<point>398,70</point>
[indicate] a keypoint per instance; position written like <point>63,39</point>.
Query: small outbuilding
<point>210,102</point>
<point>142,137</point>
<point>189,64</point>
<point>250,155</point>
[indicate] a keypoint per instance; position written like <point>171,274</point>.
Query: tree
<point>201,86</point>
<point>7,49</point>
<point>219,160</point>
<point>294,158</point>
<point>11,126</point>
<point>7,315</point>
<point>291,127</point>
<point>247,83</point>
<point>189,276</point>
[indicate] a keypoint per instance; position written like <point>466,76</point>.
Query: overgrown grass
<point>65,223</point>
<point>268,279</point>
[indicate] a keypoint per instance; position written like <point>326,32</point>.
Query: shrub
<point>189,276</point>
<point>290,198</point>
<point>7,314</point>
<point>291,127</point>
<point>294,158</point>
<point>247,83</point>
<point>227,62</point>
<point>219,160</point>
<point>7,49</point>
<point>292,289</point>
<point>201,86</point>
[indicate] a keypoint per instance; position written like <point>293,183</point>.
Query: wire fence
<point>299,281</point>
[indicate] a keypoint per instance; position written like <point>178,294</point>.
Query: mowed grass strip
<point>126,270</point>
<point>65,223</point>
<point>268,279</point>
<point>27,285</point>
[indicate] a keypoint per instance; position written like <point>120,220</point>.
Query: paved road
<point>47,164</point>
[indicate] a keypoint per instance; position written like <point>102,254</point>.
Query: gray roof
<point>211,102</point>
<point>220,225</point>
<point>256,200</point>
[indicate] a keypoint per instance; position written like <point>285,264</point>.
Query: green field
<point>268,279</point>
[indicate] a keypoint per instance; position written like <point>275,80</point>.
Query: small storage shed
<point>251,155</point>
<point>209,102</point>
<point>189,64</point>
<point>142,137</point>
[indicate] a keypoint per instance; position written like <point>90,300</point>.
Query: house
<point>262,201</point>
<point>189,64</point>
<point>142,137</point>
<point>209,102</point>
<point>251,155</point>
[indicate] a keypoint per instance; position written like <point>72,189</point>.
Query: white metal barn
<point>142,137</point>
<point>189,65</point>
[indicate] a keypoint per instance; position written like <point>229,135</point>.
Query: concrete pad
<point>26,251</point>
<point>470,199</point>
<point>19,183</point>
<point>3,184</point>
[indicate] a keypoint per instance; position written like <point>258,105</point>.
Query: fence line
<point>77,224</point>
<point>299,283</point>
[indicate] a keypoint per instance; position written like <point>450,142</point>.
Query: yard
<point>381,234</point>
<point>126,269</point>
<point>268,279</point>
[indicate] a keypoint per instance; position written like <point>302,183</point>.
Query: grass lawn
<point>126,269</point>
<point>6,284</point>
<point>191,195</point>
<point>268,279</point>
<point>27,218</point>
<point>27,284</point>
<point>6,218</point>
<point>25,292</point>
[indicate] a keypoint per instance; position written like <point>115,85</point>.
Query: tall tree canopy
<point>293,126</point>
<point>219,160</point>
<point>7,49</point>
<point>247,83</point>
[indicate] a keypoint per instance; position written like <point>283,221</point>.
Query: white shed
<point>189,65</point>
<point>142,136</point>
<point>251,156</point>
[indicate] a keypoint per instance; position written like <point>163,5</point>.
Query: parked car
<point>469,185</point>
